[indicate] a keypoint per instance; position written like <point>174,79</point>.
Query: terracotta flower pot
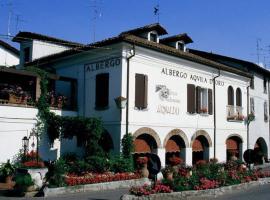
<point>8,179</point>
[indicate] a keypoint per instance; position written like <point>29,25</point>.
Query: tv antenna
<point>96,6</point>
<point>9,4</point>
<point>18,19</point>
<point>157,11</point>
<point>258,49</point>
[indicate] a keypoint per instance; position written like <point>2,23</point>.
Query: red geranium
<point>175,160</point>
<point>34,164</point>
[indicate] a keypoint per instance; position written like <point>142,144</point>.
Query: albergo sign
<point>193,77</point>
<point>102,64</point>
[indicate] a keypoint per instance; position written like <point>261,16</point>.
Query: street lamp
<point>120,102</point>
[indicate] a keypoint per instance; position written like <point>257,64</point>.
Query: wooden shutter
<point>238,97</point>
<point>190,98</point>
<point>141,91</point>
<point>230,96</point>
<point>102,90</point>
<point>198,99</point>
<point>145,103</point>
<point>210,102</point>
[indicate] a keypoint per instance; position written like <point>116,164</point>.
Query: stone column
<point>162,154</point>
<point>189,156</point>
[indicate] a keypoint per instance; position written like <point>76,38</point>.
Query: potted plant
<point>167,172</point>
<point>7,171</point>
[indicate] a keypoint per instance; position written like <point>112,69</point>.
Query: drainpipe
<point>215,120</point>
<point>127,106</point>
<point>247,117</point>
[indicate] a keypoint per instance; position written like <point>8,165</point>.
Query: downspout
<point>127,105</point>
<point>247,117</point>
<point>215,120</point>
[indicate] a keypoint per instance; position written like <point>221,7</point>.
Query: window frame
<point>97,97</point>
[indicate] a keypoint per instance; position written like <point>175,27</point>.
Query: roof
<point>151,27</point>
<point>180,37</point>
<point>22,36</point>
<point>232,62</point>
<point>132,39</point>
<point>9,47</point>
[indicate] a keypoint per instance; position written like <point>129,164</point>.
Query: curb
<point>198,193</point>
<point>125,184</point>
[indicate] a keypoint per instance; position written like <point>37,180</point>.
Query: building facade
<point>178,103</point>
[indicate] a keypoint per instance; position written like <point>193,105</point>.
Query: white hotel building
<point>173,106</point>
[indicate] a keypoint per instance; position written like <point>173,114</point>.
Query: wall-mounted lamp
<point>120,102</point>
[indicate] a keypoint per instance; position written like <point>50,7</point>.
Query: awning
<point>172,146</point>
<point>197,146</point>
<point>141,146</point>
<point>232,144</point>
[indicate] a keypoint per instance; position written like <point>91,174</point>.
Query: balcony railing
<point>235,113</point>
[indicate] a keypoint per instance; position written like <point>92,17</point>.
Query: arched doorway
<point>200,149</point>
<point>175,147</point>
<point>261,151</point>
<point>234,148</point>
<point>106,142</point>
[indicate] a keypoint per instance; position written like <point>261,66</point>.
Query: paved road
<point>102,195</point>
<point>261,192</point>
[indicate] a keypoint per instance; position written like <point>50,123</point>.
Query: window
<point>230,96</point>
<point>180,46</point>
<point>102,91</point>
<point>153,37</point>
<point>141,91</point>
<point>252,107</point>
<point>238,97</point>
<point>27,54</point>
<point>265,111</point>
<point>252,83</point>
<point>199,100</point>
<point>264,85</point>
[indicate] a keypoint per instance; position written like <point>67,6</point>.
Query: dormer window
<point>153,37</point>
<point>180,46</point>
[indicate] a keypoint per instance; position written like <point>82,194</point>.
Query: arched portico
<point>146,140</point>
<point>261,151</point>
<point>200,143</point>
<point>234,146</point>
<point>175,144</point>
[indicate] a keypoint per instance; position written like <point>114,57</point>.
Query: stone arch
<point>235,135</point>
<point>201,133</point>
<point>149,131</point>
<point>173,133</point>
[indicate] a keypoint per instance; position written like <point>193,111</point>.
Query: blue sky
<point>228,27</point>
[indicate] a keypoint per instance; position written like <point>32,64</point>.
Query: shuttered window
<point>265,111</point>
<point>238,97</point>
<point>141,91</point>
<point>191,98</point>
<point>102,91</point>
<point>210,102</point>
<point>230,96</point>
<point>252,83</point>
<point>198,99</point>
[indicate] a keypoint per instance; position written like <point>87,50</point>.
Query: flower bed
<point>91,178</point>
<point>204,176</point>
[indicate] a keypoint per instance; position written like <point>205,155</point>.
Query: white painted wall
<point>8,58</point>
<point>17,122</point>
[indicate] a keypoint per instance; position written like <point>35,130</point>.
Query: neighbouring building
<point>178,102</point>
<point>9,56</point>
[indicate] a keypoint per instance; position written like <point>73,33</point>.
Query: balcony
<point>235,113</point>
<point>22,88</point>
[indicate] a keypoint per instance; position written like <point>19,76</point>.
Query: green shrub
<point>79,167</point>
<point>98,164</point>
<point>127,145</point>
<point>23,180</point>
<point>120,164</point>
<point>56,173</point>
<point>7,169</point>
